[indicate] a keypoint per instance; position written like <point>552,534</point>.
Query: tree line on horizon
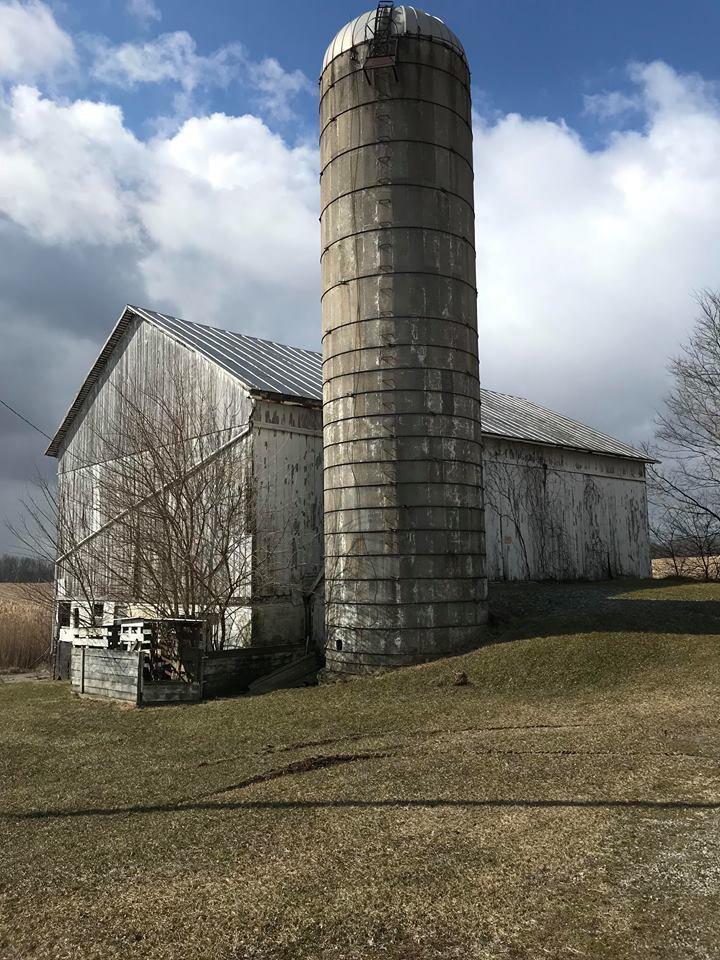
<point>18,569</point>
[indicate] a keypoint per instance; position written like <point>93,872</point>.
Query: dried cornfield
<point>690,568</point>
<point>25,622</point>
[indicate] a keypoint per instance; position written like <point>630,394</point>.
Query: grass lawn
<point>564,803</point>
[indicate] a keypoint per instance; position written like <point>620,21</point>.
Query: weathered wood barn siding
<point>284,444</point>
<point>287,464</point>
<point>563,514</point>
<point>143,356</point>
<point>106,673</point>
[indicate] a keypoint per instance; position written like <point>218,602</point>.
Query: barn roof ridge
<point>269,368</point>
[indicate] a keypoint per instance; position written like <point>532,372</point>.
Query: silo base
<point>391,651</point>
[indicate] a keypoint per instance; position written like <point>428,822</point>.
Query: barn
<point>562,500</point>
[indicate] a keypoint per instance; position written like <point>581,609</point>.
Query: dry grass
<point>690,567</point>
<point>563,803</point>
<point>25,623</point>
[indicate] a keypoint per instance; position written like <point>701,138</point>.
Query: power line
<point>24,419</point>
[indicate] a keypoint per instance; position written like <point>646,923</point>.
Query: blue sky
<point>534,57</point>
<point>165,153</point>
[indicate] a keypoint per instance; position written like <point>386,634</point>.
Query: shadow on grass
<point>526,610</point>
<point>497,803</point>
<point>630,585</point>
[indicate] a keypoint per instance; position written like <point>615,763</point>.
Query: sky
<point>164,153</point>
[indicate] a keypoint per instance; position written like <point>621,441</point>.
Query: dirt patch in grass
<point>306,765</point>
<point>564,803</point>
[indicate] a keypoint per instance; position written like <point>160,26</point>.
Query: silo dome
<point>406,21</point>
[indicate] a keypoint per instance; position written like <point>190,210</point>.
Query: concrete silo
<point>404,522</point>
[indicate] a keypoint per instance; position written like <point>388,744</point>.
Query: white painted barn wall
<point>287,463</point>
<point>285,446</point>
<point>143,355</point>
<point>563,514</point>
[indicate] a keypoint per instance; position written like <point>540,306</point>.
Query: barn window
<point>76,618</point>
<point>63,614</point>
<point>97,612</point>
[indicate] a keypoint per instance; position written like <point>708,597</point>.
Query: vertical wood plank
<point>140,660</point>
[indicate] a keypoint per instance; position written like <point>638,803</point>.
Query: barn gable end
<point>138,352</point>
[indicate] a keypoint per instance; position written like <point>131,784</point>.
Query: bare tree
<point>158,513</point>
<point>46,527</point>
<point>685,489</point>
<point>685,537</point>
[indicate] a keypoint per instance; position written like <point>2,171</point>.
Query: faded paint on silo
<point>404,522</point>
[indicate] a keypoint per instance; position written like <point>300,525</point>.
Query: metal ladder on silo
<point>382,49</point>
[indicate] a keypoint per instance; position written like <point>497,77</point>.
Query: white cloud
<point>173,58</point>
<point>224,194</point>
<point>610,105</point>
<point>237,202</point>
<point>217,222</point>
<point>145,11</point>
<point>170,58</point>
<point>31,42</point>
<point>69,172</point>
<point>588,260</point>
<point>277,86</point>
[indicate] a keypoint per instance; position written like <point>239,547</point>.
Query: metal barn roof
<point>270,368</point>
<point>517,419</point>
<point>406,21</point>
<point>262,365</point>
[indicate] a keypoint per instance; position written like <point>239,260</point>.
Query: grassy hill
<point>565,802</point>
